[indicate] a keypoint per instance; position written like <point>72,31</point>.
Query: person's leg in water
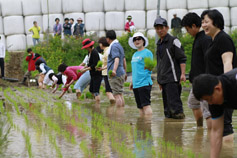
<point>82,83</point>
<point>108,90</point>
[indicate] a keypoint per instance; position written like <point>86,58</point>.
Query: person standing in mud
<point>192,23</point>
<point>141,77</point>
<point>104,46</point>
<point>2,56</point>
<point>116,64</point>
<point>31,65</point>
<point>96,76</point>
<point>219,58</point>
<point>170,70</point>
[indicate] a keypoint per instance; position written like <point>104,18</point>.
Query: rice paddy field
<point>34,123</point>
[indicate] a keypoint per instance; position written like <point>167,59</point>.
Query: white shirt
<point>72,28</point>
<point>2,50</point>
<point>87,58</point>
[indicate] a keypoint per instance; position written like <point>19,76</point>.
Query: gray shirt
<point>116,51</point>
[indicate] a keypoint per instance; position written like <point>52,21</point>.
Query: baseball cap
<point>160,21</point>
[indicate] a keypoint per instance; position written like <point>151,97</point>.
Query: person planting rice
<point>72,75</point>
<point>141,75</point>
<point>57,80</point>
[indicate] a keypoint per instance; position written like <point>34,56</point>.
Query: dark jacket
<point>93,60</point>
<point>170,55</point>
<point>78,29</point>
<point>67,28</point>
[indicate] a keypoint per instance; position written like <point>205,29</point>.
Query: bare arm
<point>82,64</point>
<point>182,77</point>
<point>227,61</point>
<point>116,62</point>
<point>216,136</point>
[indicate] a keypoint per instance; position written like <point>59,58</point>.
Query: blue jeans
<point>36,40</point>
<point>83,81</point>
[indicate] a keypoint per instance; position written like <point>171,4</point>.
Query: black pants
<point>171,99</point>
<point>228,129</point>
<point>2,66</point>
<point>95,85</point>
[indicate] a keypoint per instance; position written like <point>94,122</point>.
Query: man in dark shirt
<point>170,69</point>
<point>221,94</point>
<point>176,25</point>
<point>192,23</point>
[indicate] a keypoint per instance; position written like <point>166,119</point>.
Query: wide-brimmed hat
<point>138,34</point>
<point>87,43</point>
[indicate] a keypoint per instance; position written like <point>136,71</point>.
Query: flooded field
<point>34,123</point>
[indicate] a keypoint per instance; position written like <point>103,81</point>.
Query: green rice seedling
<point>99,64</point>
<point>78,71</point>
<point>89,95</point>
<point>110,73</point>
<point>28,143</point>
<point>126,84</point>
<point>149,63</point>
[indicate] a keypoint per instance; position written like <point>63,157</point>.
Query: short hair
<point>29,50</point>
<point>62,67</point>
<point>57,19</point>
<point>51,76</point>
<point>216,17</point>
<point>111,34</point>
<point>103,41</point>
<point>66,19</point>
<point>72,19</point>
<point>203,85</point>
<point>34,22</point>
<point>99,49</point>
<point>190,19</point>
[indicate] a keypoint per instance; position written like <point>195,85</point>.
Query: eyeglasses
<point>137,38</point>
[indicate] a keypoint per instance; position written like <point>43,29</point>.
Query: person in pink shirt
<point>129,26</point>
<point>72,74</point>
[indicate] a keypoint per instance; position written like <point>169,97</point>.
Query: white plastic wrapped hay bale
<point>16,42</point>
<point>180,13</point>
<point>138,17</point>
<point>196,4</point>
<point>218,3</point>
<point>175,4</point>
<point>96,33</point>
<point>120,33</point>
<point>101,34</point>
<point>233,17</point>
<point>151,33</point>
<point>52,18</point>
<point>151,16</point>
<point>134,5</point>
<point>95,21</point>
<point>93,6</point>
<point>1,25</point>
<point>75,16</point>
<point>152,4</point>
<point>11,7</point>
<point>13,25</point>
<point>3,39</point>
<point>227,29</point>
<point>29,41</point>
<point>55,6</point>
<point>70,6</point>
<point>233,28</point>
<point>233,3</point>
<point>225,11</point>
<point>114,20</point>
<point>29,23</point>
<point>31,7</point>
<point>197,11</point>
<point>117,5</point>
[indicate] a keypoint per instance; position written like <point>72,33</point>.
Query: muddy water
<point>182,133</point>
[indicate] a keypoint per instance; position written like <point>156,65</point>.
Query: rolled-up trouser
<point>83,81</point>
<point>171,99</point>
<point>193,103</point>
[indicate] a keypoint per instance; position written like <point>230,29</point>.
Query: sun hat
<point>129,17</point>
<point>138,34</point>
<point>87,43</point>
